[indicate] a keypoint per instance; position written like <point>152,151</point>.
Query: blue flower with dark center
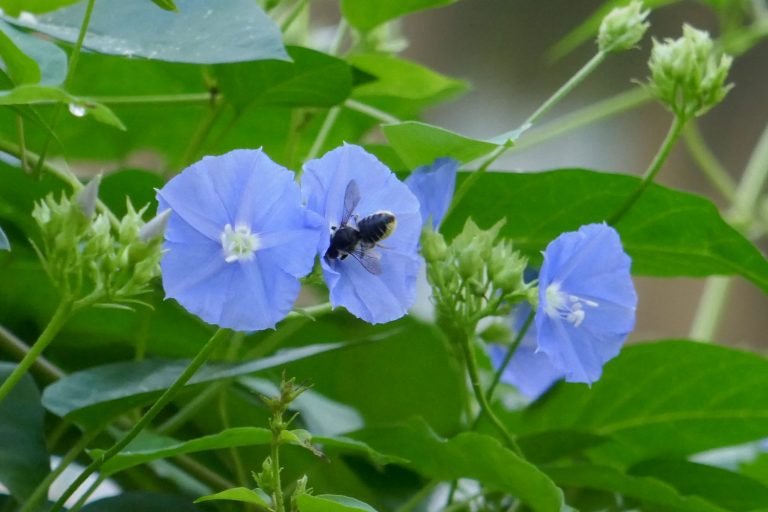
<point>238,240</point>
<point>434,185</point>
<point>587,301</point>
<point>372,226</point>
<point>529,370</point>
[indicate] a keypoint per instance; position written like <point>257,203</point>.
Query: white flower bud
<point>623,28</point>
<point>88,196</point>
<point>155,228</point>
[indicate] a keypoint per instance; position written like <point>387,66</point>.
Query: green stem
<point>658,161</point>
<point>151,99</point>
<point>58,320</point>
<point>42,488</point>
<point>201,133</point>
<point>567,87</point>
<point>74,58</point>
<point>17,348</point>
<point>191,408</point>
<point>311,312</point>
<point>716,290</point>
<point>87,494</point>
<point>474,378</point>
<point>322,134</point>
<point>338,38</point>
<point>708,162</point>
<point>597,111</point>
<point>297,8</point>
<point>161,402</point>
<point>370,111</point>
<point>276,484</point>
<point>507,358</point>
<point>562,92</point>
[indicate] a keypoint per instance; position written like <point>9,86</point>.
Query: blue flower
<point>529,370</point>
<point>237,240</point>
<point>587,301</point>
<point>434,185</point>
<point>4,244</point>
<point>375,282</point>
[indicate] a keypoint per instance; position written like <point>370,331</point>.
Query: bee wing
<point>351,198</point>
<point>370,260</point>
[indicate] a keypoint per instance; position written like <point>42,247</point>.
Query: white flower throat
<point>566,306</point>
<point>239,244</point>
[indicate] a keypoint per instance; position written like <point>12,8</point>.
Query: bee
<point>360,239</point>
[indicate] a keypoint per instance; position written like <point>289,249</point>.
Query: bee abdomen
<point>377,226</point>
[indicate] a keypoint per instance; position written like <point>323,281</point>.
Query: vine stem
<point>60,316</point>
<point>167,396</point>
<point>477,388</point>
<point>42,488</point>
<point>74,58</point>
<point>675,130</point>
<point>276,484</point>
<point>561,93</point>
<point>707,161</point>
<point>507,358</point>
<point>716,289</point>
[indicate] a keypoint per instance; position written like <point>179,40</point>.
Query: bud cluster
<point>623,28</point>
<point>92,259</point>
<point>687,74</point>
<point>475,276</point>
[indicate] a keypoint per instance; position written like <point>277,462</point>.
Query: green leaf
<point>331,503</point>
<point>32,94</point>
<point>235,31</point>
<point>667,232</point>
<point>29,59</point>
<point>15,7</point>
<point>420,143</point>
<point>149,447</point>
<point>241,494</point>
<point>401,78</point>
<point>95,395</point>
<point>368,14</point>
<point>647,490</point>
<point>313,79</point>
<point>727,489</point>
<point>661,399</point>
<point>468,455</point>
<point>168,5</point>
<point>23,452</point>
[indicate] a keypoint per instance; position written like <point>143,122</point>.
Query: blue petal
<point>588,265</point>
<point>434,185</point>
<point>4,244</point>
<point>243,187</point>
<point>374,298</point>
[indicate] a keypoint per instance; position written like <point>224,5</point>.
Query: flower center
<point>239,244</point>
<point>568,307</point>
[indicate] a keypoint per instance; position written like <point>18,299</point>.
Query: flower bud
<point>470,260</point>
<point>155,228</point>
<point>264,479</point>
<point>89,196</point>
<point>623,28</point>
<point>433,246</point>
<point>686,73</point>
<point>498,332</point>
